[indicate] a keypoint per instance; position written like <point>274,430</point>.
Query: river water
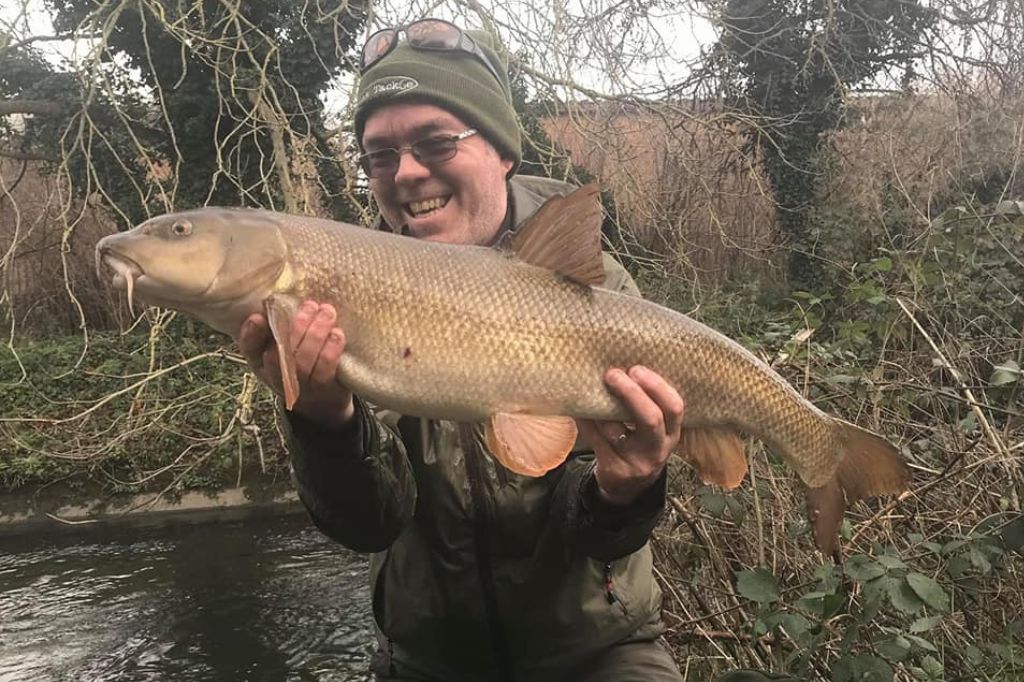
<point>253,600</point>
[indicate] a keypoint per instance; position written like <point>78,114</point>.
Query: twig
<point>968,394</point>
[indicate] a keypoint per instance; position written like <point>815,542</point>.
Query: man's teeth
<point>421,207</point>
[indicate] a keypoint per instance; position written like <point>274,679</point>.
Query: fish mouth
<point>124,271</point>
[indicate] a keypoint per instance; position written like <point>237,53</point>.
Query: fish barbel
<point>519,338</point>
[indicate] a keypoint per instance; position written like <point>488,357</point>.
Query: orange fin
<point>279,312</point>
<point>870,465</point>
<point>826,506</point>
<point>529,444</point>
<point>565,236</point>
<point>718,455</point>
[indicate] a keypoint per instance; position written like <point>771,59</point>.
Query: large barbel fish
<point>517,337</point>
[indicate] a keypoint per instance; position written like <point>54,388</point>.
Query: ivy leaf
<point>758,585</point>
<point>863,568</point>
<point>930,592</point>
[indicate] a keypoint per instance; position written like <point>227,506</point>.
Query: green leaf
<point>980,561</point>
<point>922,643</point>
<point>903,597</point>
<point>896,648</point>
<point>890,562</point>
<point>1006,373</point>
<point>794,624</point>
<point>861,668</point>
<point>1010,208</point>
<point>758,585</point>
<point>932,666</point>
<point>737,512</point>
<point>883,264</point>
<point>930,592</point>
<point>713,503</point>
<point>863,568</point>
<point>1013,535</point>
<point>925,624</point>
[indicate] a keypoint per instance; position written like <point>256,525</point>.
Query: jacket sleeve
<point>592,526</point>
<point>356,482</point>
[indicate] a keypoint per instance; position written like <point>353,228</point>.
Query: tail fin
<point>869,466</point>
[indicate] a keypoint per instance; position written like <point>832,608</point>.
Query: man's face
<point>459,201</point>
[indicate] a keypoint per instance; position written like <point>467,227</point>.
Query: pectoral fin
<point>279,312</point>
<point>718,455</point>
<point>528,444</point>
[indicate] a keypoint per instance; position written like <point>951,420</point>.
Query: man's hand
<point>631,455</point>
<point>317,345</point>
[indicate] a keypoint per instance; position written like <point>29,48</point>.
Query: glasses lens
<point>434,149</point>
<point>380,163</point>
<point>377,46</point>
<point>433,34</point>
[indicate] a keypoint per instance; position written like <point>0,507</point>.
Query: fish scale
<point>466,333</point>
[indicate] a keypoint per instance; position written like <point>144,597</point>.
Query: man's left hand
<point>631,455</point>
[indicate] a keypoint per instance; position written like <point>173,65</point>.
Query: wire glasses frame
<point>428,152</point>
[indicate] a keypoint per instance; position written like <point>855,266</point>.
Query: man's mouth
<point>421,209</point>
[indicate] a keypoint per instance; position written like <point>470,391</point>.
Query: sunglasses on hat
<point>425,34</point>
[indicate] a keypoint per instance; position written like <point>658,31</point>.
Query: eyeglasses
<point>425,34</point>
<point>429,151</point>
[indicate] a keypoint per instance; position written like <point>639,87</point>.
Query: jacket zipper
<point>473,461</point>
<point>609,589</point>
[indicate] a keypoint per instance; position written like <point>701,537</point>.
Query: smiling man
<point>477,573</point>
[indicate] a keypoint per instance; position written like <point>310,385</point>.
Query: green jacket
<point>478,573</point>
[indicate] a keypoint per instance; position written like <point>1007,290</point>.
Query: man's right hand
<point>317,344</point>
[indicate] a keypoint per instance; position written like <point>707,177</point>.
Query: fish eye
<point>181,228</point>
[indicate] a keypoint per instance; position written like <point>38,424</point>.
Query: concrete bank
<point>40,512</point>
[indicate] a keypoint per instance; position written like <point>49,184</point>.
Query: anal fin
<point>718,455</point>
<point>826,506</point>
<point>279,311</point>
<point>528,444</point>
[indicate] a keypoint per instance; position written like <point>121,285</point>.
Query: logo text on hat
<point>390,85</point>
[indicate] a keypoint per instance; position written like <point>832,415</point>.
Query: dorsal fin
<point>564,235</point>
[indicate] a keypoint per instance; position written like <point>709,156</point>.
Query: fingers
<point>316,343</point>
<point>253,339</point>
<point>631,455</point>
<point>311,328</point>
<point>668,411</point>
<point>657,408</point>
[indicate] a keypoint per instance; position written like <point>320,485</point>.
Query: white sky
<point>678,37</point>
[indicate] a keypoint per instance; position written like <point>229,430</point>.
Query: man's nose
<point>409,168</point>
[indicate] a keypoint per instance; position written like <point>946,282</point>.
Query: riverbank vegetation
<point>860,227</point>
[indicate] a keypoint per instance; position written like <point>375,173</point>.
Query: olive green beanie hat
<point>454,80</point>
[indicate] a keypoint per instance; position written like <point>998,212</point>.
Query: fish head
<point>215,264</point>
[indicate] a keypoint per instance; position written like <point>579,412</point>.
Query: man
<point>477,573</point>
